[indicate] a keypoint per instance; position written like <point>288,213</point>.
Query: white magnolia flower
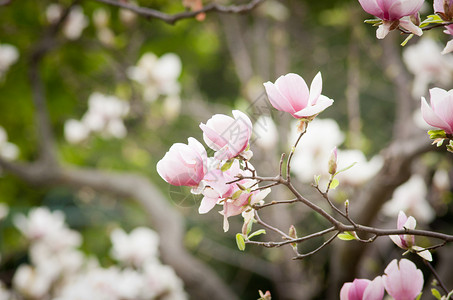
<point>75,131</point>
<point>31,282</point>
<point>265,131</point>
<point>8,56</point>
<point>8,151</point>
<point>158,76</point>
<point>362,170</point>
<point>313,151</point>
<point>428,65</point>
<point>47,227</point>
<point>161,280</point>
<point>75,22</point>
<point>136,248</point>
<point>410,197</point>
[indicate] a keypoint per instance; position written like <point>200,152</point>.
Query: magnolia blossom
<point>228,136</point>
<point>104,115</point>
<point>265,132</point>
<point>8,150</point>
<point>363,289</point>
<point>322,135</point>
<point>425,61</point>
<point>8,56</point>
<point>393,13</point>
<point>75,22</point>
<point>47,227</point>
<point>411,197</point>
<point>402,280</point>
<point>135,248</point>
<point>407,241</point>
<point>290,93</point>
<point>444,8</point>
<point>158,76</point>
<point>184,164</point>
<point>440,114</point>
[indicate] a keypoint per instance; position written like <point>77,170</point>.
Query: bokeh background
<point>120,89</point>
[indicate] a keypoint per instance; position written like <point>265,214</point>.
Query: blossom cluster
<point>216,177</point>
<point>226,178</point>
<point>402,280</point>
<point>105,115</point>
<point>59,270</point>
<point>393,14</point>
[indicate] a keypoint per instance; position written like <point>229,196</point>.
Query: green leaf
<point>345,169</point>
<point>236,194</point>
<point>419,296</point>
<point>317,179</point>
<point>227,165</point>
<point>435,294</point>
<point>407,39</point>
<point>435,134</point>
<point>372,21</point>
<point>240,241</point>
<point>249,226</point>
<point>256,233</point>
<point>334,184</point>
<point>347,236</point>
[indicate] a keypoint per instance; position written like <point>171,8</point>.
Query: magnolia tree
<point>317,195</point>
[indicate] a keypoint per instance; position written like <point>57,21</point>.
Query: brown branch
<point>301,256</point>
<point>150,13</point>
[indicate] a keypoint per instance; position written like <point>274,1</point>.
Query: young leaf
<point>407,39</point>
<point>334,184</point>
<point>345,169</point>
<point>227,165</point>
<point>435,294</point>
<point>240,241</point>
<point>317,179</point>
<point>346,236</point>
<point>256,233</point>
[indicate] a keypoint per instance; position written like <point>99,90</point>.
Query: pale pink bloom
<point>242,203</point>
<point>403,281</point>
<point>392,11</point>
<point>404,241</point>
<point>290,93</point>
<point>228,136</point>
<point>407,241</point>
<point>439,5</point>
<point>440,114</point>
<point>184,164</point>
<point>363,289</point>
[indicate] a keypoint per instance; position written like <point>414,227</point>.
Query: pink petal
<point>375,290</point>
<point>322,103</point>
<point>207,204</point>
<point>383,30</point>
<point>406,23</point>
<point>357,289</point>
<point>432,118</point>
<point>315,89</point>
<point>372,7</point>
<point>404,8</point>
<point>402,218</point>
<point>449,47</point>
<point>277,100</point>
<point>442,105</point>
<point>344,292</point>
<point>293,88</point>
<point>404,281</point>
<point>397,240</point>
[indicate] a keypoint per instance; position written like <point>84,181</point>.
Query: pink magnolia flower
<point>393,13</point>
<point>363,289</point>
<point>403,281</point>
<point>444,8</point>
<point>184,164</point>
<point>440,114</point>
<point>229,137</point>
<point>290,93</point>
<point>407,241</point>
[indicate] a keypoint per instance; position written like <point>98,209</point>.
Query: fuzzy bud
<point>333,161</point>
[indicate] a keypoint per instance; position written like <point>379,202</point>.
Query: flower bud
<point>333,161</point>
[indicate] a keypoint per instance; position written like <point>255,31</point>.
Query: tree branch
<point>150,13</point>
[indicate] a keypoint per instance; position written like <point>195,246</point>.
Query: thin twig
<point>257,206</point>
<point>301,256</point>
<point>293,149</point>
<point>270,227</point>
<point>442,285</point>
<point>172,19</point>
